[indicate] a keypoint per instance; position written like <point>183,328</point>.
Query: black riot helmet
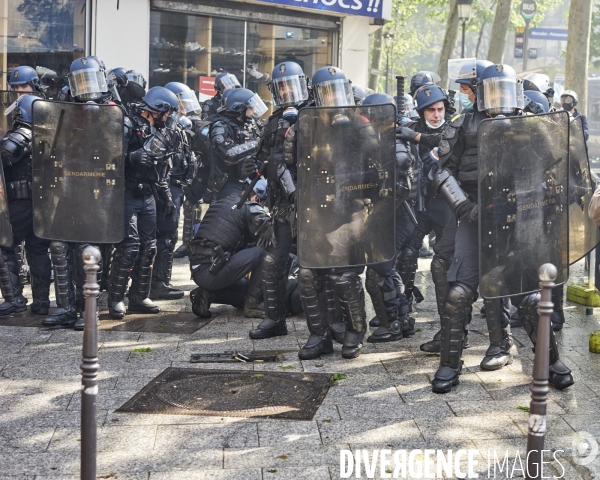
<point>331,88</point>
<point>421,79</point>
<point>499,91</point>
<point>136,77</point>
<point>535,102</point>
<point>242,99</point>
<point>360,93</point>
<point>112,74</point>
<point>225,81</point>
<point>188,102</point>
<point>159,100</point>
<point>87,81</point>
<point>24,75</point>
<point>380,99</point>
<point>24,110</point>
<point>288,85</point>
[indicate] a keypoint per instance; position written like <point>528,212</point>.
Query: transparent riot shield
<point>583,233</point>
<point>78,172</point>
<point>7,98</point>
<point>346,185</point>
<point>6,236</point>
<point>523,199</point>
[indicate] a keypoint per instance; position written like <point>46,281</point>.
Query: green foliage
<point>595,37</point>
<point>336,377</point>
<point>286,367</point>
<point>142,350</point>
<point>523,409</point>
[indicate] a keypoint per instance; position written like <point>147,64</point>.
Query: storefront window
<point>194,49</point>
<point>44,34</point>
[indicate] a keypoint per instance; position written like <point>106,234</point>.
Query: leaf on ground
<point>283,457</point>
<point>336,377</point>
<point>272,470</point>
<point>319,365</point>
<point>258,375</point>
<point>286,367</point>
<point>523,409</point>
<point>418,330</point>
<point>430,355</point>
<point>326,421</point>
<point>142,350</point>
<point>387,470</point>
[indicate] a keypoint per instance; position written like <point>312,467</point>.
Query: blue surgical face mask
<point>463,98</point>
<point>435,127</point>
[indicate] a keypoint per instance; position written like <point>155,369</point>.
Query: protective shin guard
<point>11,286</point>
<point>407,264</point>
<point>5,281</point>
<point>454,318</point>
<point>559,374</point>
<point>439,275</point>
<point>123,261</point>
<point>141,278</point>
<point>334,313</point>
<point>40,270</point>
<point>319,342</point>
<point>65,314</point>
<point>498,354</point>
<point>188,230</point>
<point>558,317</point>
<point>274,291</point>
<point>373,283</point>
<point>349,290</point>
<point>254,296</point>
<point>161,275</point>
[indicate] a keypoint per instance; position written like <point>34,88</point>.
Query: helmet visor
<point>226,82</point>
<point>88,83</point>
<point>188,103</point>
<point>500,95</point>
<point>136,78</point>
<point>334,93</point>
<point>462,68</point>
<point>257,106</point>
<point>290,90</point>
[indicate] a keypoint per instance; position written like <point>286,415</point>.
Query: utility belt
<point>19,190</point>
<point>140,189</point>
<point>213,255</point>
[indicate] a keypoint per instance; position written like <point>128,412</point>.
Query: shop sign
<point>364,8</point>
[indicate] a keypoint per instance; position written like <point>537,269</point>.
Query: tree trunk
<point>479,39</point>
<point>500,31</point>
<point>375,59</point>
<point>449,44</point>
<point>578,50</point>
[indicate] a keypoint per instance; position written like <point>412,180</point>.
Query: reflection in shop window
<point>194,49</point>
<point>44,34</point>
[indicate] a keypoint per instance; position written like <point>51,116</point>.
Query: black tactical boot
<point>18,304</point>
<point>274,291</point>
<point>498,353</point>
<point>10,286</point>
<point>65,313</point>
<point>334,311</point>
<point>201,300</point>
<point>61,317</point>
<point>161,276</point>
<point>254,296</point>
<point>559,374</point>
<point>454,319</point>
<point>314,302</point>
<point>80,323</point>
<point>141,278</point>
<point>558,317</point>
<point>390,333</point>
<point>123,260</point>
<point>40,307</point>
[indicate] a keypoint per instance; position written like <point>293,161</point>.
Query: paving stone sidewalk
<point>384,403</point>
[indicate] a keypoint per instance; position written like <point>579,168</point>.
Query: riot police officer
<point>541,83</point>
<point>24,80</point>
<point>218,261</point>
<point>383,283</point>
<point>129,91</point>
<point>360,93</point>
<point>421,79</point>
<point>232,143</point>
<point>183,164</point>
<point>277,156</point>
<point>15,150</point>
<point>459,163</point>
<point>146,183</point>
<point>223,81</point>
<point>87,83</point>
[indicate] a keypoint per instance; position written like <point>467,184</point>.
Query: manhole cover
<point>230,393</point>
<point>163,322</point>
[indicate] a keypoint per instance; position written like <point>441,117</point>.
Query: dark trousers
<point>140,219</point>
<point>436,216</point>
<point>36,250</point>
<point>465,261</point>
<point>166,227</point>
<point>238,266</point>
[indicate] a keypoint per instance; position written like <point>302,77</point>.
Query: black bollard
<point>541,364</point>
<point>89,366</point>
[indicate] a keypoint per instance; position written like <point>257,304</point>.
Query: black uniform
<point>144,185</point>
<point>217,266</point>
<point>210,107</point>
<point>15,149</point>
<point>278,148</point>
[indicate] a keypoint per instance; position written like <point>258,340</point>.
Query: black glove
<point>468,211</point>
<point>292,198</point>
<point>121,80</point>
<point>266,234</point>
<point>141,157</point>
<point>249,168</point>
<point>406,134</point>
<point>169,208</point>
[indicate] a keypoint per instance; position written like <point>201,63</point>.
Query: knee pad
<point>460,297</point>
<point>148,248</point>
<point>129,253</point>
<point>373,282</point>
<point>528,309</point>
<point>439,270</point>
<point>307,282</point>
<point>58,248</point>
<point>272,266</point>
<point>408,259</point>
<point>347,285</point>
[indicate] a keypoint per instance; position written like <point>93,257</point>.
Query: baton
<point>410,212</point>
<point>250,188</point>
<point>400,94</point>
